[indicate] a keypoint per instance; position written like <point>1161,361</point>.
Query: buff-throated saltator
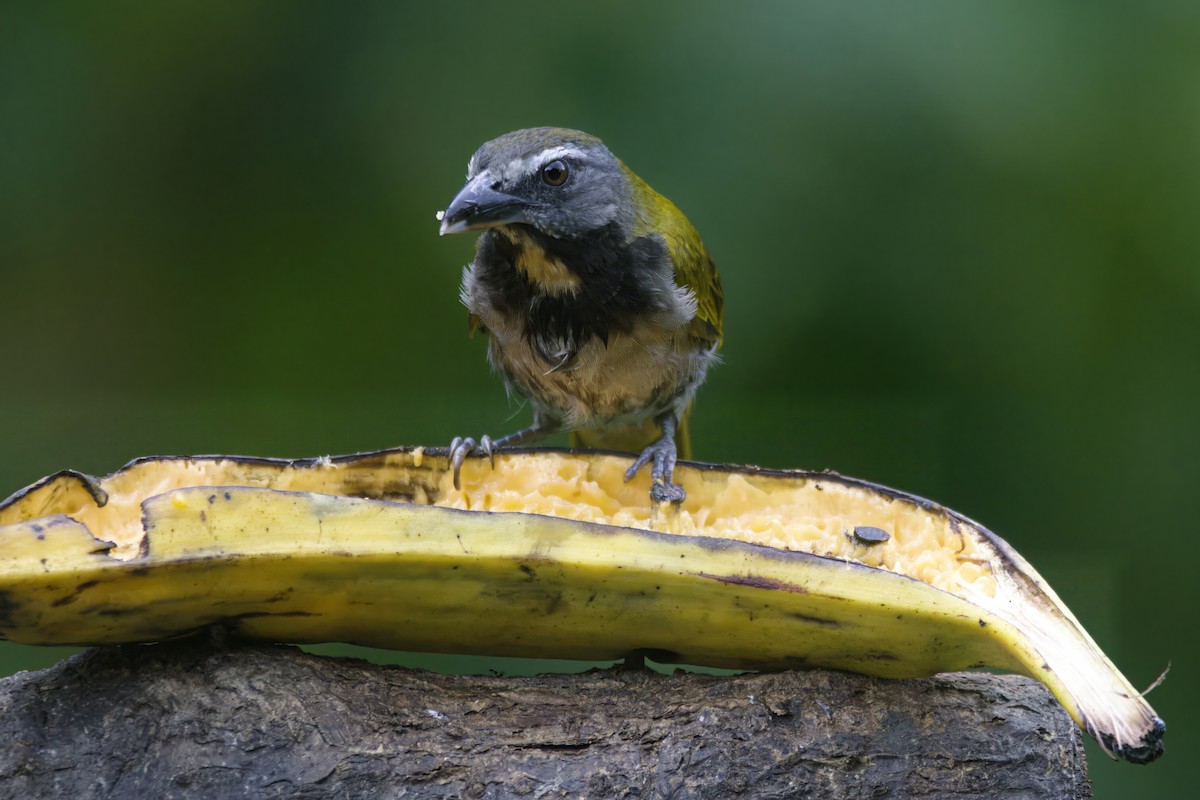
<point>599,301</point>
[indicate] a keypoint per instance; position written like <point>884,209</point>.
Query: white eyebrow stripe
<point>520,167</point>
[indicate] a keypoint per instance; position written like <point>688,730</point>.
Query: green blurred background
<point>958,242</point>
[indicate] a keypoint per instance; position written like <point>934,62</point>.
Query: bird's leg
<point>662,456</point>
<point>460,448</point>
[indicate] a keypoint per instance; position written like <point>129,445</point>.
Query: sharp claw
<point>460,448</point>
<point>489,447</point>
<point>636,465</point>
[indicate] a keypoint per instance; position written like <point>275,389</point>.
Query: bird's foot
<point>460,448</point>
<point>661,456</point>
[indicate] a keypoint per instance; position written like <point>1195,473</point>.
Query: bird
<point>600,303</point>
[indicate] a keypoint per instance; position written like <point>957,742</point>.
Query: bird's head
<point>565,183</point>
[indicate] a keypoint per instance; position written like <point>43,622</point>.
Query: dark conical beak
<point>478,206</point>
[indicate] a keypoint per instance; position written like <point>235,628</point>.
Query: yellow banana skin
<point>357,549</point>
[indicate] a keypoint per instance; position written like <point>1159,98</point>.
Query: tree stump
<point>193,720</point>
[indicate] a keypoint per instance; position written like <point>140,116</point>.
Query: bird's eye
<point>555,173</point>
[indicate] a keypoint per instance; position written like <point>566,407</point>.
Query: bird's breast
<point>594,333</point>
<point>632,377</point>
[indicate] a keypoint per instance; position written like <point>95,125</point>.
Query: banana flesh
<point>757,569</point>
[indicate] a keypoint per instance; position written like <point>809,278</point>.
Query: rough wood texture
<point>192,720</point>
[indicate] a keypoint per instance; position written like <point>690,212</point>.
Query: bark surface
<point>193,720</point>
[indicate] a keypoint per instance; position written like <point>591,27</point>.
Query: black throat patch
<point>619,284</point>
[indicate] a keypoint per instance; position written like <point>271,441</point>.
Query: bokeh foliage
<point>958,241</point>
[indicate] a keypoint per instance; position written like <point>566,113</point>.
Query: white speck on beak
<point>439,215</point>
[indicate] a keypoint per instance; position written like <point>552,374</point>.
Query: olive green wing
<point>694,268</point>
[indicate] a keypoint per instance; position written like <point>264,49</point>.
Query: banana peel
<point>548,554</point>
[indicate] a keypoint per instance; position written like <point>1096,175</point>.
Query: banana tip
<point>1149,748</point>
